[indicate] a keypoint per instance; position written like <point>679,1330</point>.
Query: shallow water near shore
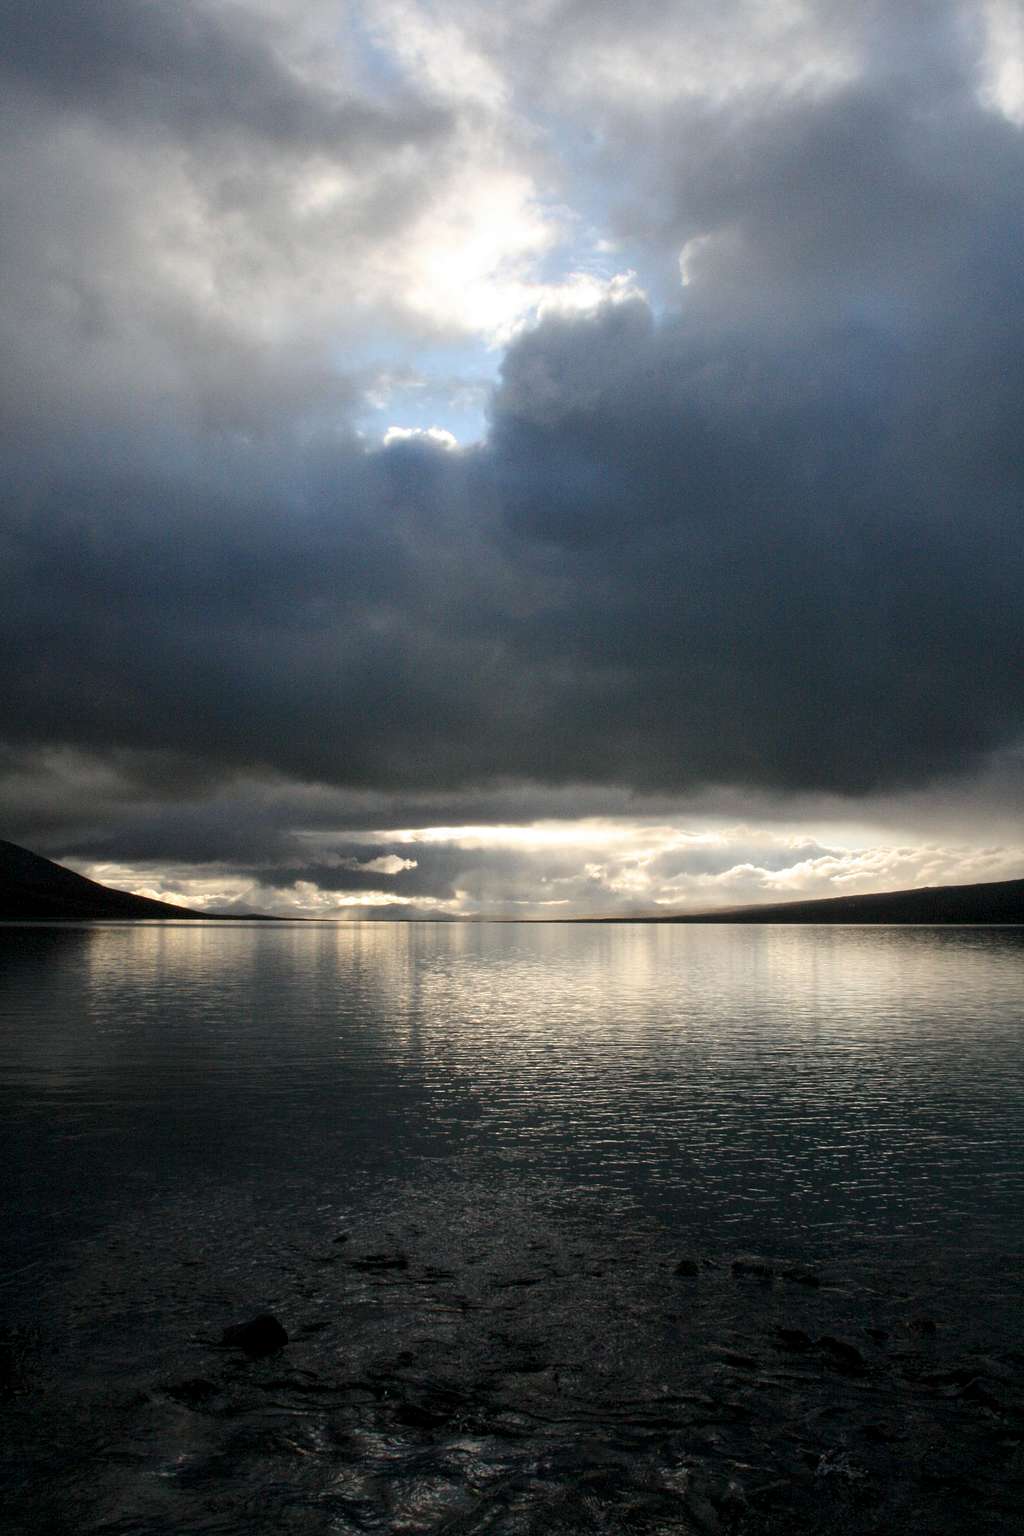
<point>462,1164</point>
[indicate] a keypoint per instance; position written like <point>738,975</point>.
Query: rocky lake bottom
<point>463,1358</point>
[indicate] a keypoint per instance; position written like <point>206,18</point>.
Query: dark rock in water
<point>688,1268</point>
<point>260,1336</point>
<point>977,1391</point>
<point>417,1416</point>
<point>342,1237</point>
<point>376,1263</point>
<point>801,1276</point>
<point>732,1500</point>
<point>439,1407</point>
<point>959,1376</point>
<point>924,1326</point>
<point>193,1392</point>
<point>794,1338</point>
<point>12,1378</point>
<point>845,1357</point>
<point>752,1269</point>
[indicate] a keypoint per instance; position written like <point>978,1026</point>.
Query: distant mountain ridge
<point>994,901</point>
<point>34,889</point>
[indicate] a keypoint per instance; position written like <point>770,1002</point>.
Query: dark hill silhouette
<point>995,901</point>
<point>34,889</point>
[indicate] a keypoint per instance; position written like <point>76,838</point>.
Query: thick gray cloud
<point>193,70</point>
<point>768,537</point>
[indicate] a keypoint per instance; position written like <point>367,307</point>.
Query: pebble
<point>262,1335</point>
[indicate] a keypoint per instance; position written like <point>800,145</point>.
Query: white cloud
<point>1003,70</point>
<point>307,899</point>
<point>437,49</point>
<point>438,435</point>
<point>529,838</point>
<point>697,256</point>
<point>469,265</point>
<point>652,55</point>
<point>387,864</point>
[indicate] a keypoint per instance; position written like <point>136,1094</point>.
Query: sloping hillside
<point>996,901</point>
<point>34,889</point>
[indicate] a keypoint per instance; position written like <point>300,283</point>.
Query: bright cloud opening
<point>437,435</point>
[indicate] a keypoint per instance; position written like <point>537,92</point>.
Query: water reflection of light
<point>741,1065</point>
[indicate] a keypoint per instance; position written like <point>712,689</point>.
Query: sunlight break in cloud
<point>438,435</point>
<point>1003,79</point>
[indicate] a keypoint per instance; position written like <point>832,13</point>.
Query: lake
<point>467,1159</point>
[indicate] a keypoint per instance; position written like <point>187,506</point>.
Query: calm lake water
<point>186,1109</point>
<point>783,1082</point>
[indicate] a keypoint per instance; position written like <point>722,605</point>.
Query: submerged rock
<point>752,1269</point>
<point>843,1356</point>
<point>12,1377</point>
<point>800,1275</point>
<point>794,1339</point>
<point>687,1268</point>
<point>260,1336</point>
<point>377,1263</point>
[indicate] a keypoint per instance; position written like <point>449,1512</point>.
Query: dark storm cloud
<point>772,539</point>
<point>438,871</point>
<point>189,69</point>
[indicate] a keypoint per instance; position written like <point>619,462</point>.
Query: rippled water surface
<point>191,1115</point>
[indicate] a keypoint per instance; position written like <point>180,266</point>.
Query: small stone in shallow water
<point>801,1276</point>
<point>11,1378</point>
<point>845,1357</point>
<point>376,1263</point>
<point>794,1338</point>
<point>752,1269</point>
<point>260,1336</point>
<point>688,1268</point>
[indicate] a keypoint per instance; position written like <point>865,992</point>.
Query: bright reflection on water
<point>768,1083</point>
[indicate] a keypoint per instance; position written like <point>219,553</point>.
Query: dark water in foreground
<point>528,1126</point>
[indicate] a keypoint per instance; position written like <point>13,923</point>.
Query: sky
<point>543,460</point>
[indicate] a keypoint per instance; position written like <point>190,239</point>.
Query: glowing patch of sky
<point>589,868</point>
<point>1003,85</point>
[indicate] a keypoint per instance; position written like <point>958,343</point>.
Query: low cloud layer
<point>554,871</point>
<point>745,522</point>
